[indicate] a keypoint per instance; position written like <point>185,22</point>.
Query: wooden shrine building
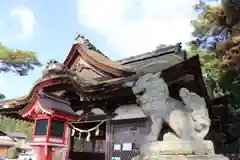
<point>110,123</point>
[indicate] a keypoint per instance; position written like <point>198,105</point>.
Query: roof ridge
<point>86,42</point>
<point>158,52</point>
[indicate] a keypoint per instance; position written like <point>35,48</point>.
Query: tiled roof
<point>151,61</point>
<point>53,102</point>
<point>156,60</point>
<point>101,58</point>
<point>158,52</point>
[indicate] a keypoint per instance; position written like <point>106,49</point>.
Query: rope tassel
<point>88,137</point>
<point>73,132</point>
<point>74,129</point>
<point>79,135</point>
<point>97,132</point>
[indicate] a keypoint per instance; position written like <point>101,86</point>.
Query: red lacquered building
<point>51,116</point>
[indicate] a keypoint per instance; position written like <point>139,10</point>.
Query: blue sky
<point>119,28</point>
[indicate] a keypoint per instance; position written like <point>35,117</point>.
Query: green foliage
<point>225,82</point>
<point>208,17</point>
<point>210,67</point>
<point>16,125</point>
<point>17,61</point>
<point>229,81</point>
<point>12,153</point>
<point>2,96</point>
<point>17,56</point>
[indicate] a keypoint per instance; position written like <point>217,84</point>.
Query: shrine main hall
<point>85,107</point>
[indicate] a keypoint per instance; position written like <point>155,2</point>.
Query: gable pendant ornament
<point>188,120</point>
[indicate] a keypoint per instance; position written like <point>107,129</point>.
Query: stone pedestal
<point>178,150</point>
<point>185,157</point>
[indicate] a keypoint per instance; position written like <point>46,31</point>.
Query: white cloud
<point>136,26</point>
<point>27,21</point>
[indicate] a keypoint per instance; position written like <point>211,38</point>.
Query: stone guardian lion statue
<point>188,118</point>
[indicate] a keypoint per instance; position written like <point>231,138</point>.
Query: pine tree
<point>17,61</point>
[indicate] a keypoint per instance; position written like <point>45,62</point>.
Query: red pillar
<point>44,154</point>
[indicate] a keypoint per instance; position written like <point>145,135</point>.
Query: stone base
<point>182,157</point>
<point>178,150</point>
<point>178,147</point>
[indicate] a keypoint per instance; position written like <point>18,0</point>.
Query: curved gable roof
<point>97,60</point>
